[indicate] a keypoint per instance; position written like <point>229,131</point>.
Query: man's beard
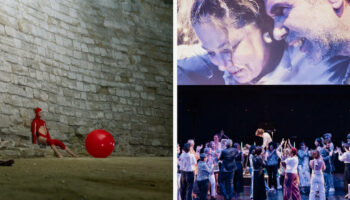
<point>318,47</point>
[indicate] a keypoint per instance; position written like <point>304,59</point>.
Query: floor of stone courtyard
<point>87,178</point>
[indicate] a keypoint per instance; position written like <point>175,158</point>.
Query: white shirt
<point>187,162</point>
<point>266,140</point>
<point>345,157</point>
<point>292,165</point>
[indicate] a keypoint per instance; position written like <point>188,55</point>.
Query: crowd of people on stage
<point>218,168</point>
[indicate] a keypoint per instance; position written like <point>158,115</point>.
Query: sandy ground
<point>87,178</point>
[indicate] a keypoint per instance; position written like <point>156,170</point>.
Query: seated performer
<point>39,128</point>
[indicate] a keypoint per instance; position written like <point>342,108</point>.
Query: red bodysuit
<point>36,124</point>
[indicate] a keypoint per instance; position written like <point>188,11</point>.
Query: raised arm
<point>279,149</point>
<point>289,144</point>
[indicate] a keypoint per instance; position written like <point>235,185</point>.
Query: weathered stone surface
<point>89,65</point>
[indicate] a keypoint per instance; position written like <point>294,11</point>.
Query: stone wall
<point>90,64</point>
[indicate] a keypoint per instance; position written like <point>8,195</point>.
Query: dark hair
<point>326,141</point>
<point>258,150</point>
<point>240,12</point>
<point>252,149</point>
<point>235,145</point>
<point>187,147</point>
<point>320,141</point>
<point>273,144</point>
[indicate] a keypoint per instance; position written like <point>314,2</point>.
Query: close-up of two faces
<point>232,42</point>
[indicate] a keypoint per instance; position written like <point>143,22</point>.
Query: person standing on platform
<point>265,136</point>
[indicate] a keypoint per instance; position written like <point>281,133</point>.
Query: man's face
<point>241,52</point>
<point>216,138</point>
<point>40,113</point>
<point>305,24</point>
<point>212,145</point>
<point>328,145</point>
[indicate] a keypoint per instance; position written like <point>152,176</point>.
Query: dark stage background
<point>300,113</point>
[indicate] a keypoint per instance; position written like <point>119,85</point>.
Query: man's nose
<point>226,60</point>
<point>279,33</point>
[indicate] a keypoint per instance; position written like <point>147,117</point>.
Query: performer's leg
<point>56,151</point>
<point>321,188</point>
<point>212,185</point>
<point>183,186</point>
<point>57,143</point>
<point>71,152</point>
<point>269,174</point>
<point>313,187</point>
<point>327,184</point>
<point>62,146</point>
<point>274,176</point>
<point>287,193</point>
<point>295,186</point>
<point>346,178</point>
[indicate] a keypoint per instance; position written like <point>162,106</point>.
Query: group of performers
<point>218,168</point>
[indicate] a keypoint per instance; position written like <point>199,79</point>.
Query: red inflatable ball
<point>99,143</point>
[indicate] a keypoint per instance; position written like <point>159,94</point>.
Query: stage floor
<point>339,195</point>
<point>87,178</point>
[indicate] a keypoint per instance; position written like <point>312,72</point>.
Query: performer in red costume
<point>39,129</point>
